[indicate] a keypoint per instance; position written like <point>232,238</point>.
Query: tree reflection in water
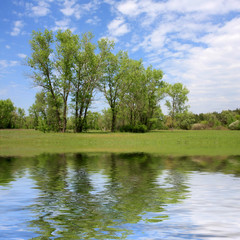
<point>100,196</point>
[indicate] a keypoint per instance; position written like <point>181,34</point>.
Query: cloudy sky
<point>196,42</point>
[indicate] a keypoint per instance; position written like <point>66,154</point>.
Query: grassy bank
<point>31,142</point>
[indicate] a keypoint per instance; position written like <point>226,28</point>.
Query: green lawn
<point>176,143</point>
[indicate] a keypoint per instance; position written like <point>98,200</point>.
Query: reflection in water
<point>119,196</point>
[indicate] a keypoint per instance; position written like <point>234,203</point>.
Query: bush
<point>220,128</point>
<point>199,126</point>
<point>42,125</point>
<point>140,128</point>
<point>235,125</point>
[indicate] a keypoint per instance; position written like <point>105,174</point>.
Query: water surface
<point>119,196</point>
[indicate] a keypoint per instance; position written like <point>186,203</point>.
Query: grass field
<point>176,143</point>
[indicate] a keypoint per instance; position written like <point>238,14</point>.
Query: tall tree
<point>154,90</point>
<point>114,68</point>
<point>67,45</point>
<point>87,74</point>
<point>41,61</point>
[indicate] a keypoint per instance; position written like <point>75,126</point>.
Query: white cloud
<point>155,8</point>
<point>63,25</point>
<point>22,55</point>
<point>18,25</point>
<point>130,8</point>
<point>8,46</point>
<point>206,6</point>
<point>40,10</point>
<point>118,27</point>
<point>72,8</point>
<point>94,21</point>
<point>6,63</point>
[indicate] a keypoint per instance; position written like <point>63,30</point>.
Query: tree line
<point>12,117</point>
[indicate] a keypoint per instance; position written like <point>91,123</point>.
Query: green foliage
<point>185,120</point>
<point>178,98</point>
<point>44,68</point>
<point>235,125</point>
<point>42,125</point>
<point>139,128</point>
<point>6,113</point>
<point>199,126</point>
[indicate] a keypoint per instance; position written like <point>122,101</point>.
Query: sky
<point>195,42</point>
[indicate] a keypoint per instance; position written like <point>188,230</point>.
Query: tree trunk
<point>64,117</point>
<point>76,113</point>
<point>79,120</point>
<point>114,115</point>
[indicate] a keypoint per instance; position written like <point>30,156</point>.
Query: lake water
<point>119,196</point>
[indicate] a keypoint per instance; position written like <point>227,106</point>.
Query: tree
<point>87,74</point>
<point>20,121</point>
<point>6,113</point>
<point>178,98</point>
<point>43,112</point>
<point>67,45</point>
<point>142,91</point>
<point>42,63</point>
<point>114,67</point>
<point>154,86</point>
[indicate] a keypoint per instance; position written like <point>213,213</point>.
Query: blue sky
<point>196,42</point>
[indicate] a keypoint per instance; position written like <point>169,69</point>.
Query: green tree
<point>114,67</point>
<point>42,63</point>
<point>20,118</point>
<point>142,91</point>
<point>185,120</point>
<point>178,98</point>
<point>87,67</point>
<point>154,94</point>
<point>67,45</point>
<point>6,113</point>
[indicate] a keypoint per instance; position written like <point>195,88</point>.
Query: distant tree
<point>93,120</point>
<point>6,113</point>
<point>20,120</point>
<point>178,98</point>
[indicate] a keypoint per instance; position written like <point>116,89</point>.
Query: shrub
<point>220,128</point>
<point>42,125</point>
<point>199,126</point>
<point>235,125</point>
<point>126,128</point>
<point>140,128</point>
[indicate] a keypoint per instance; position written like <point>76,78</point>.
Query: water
<point>125,196</point>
